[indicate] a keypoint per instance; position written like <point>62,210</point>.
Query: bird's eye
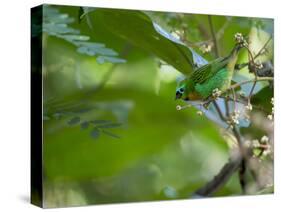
<point>181,90</point>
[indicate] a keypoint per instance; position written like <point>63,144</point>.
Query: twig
<point>242,169</point>
<point>105,78</point>
<point>242,175</point>
<point>240,66</point>
<point>219,34</point>
<point>252,90</point>
<point>263,48</point>
<point>223,28</point>
<point>227,98</point>
<point>213,36</point>
<point>249,81</point>
<point>226,105</point>
<point>234,99</point>
<point>223,118</point>
<point>220,179</point>
<point>236,133</point>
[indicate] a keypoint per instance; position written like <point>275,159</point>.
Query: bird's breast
<point>194,96</point>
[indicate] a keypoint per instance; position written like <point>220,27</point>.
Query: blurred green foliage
<point>111,129</point>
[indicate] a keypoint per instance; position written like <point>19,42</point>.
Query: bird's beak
<point>178,95</point>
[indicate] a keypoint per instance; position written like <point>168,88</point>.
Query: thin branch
<point>242,175</point>
<point>234,99</point>
<point>213,36</point>
<point>240,66</point>
<point>223,28</point>
<point>242,169</point>
<point>226,100</point>
<point>105,78</point>
<point>245,103</point>
<point>263,48</point>
<point>220,179</point>
<point>251,92</point>
<point>223,118</point>
<point>237,85</point>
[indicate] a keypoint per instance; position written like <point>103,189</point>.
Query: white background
<point>15,102</point>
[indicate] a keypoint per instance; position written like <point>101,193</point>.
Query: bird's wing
<point>203,73</point>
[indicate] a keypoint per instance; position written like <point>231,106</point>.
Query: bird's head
<point>183,89</point>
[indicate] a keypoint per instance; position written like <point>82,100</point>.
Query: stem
<point>251,80</point>
<point>257,55</point>
<point>234,99</point>
<point>226,100</point>
<point>242,169</point>
<point>220,179</point>
<point>264,46</point>
<point>251,92</point>
<point>105,78</point>
<point>213,36</point>
<point>219,111</point>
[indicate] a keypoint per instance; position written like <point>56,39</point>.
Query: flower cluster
<point>261,147</point>
<point>199,113</point>
<point>206,48</point>
<point>258,65</point>
<point>249,107</point>
<point>240,39</point>
<point>216,93</point>
<point>233,119</point>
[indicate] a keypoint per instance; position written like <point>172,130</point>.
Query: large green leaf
<point>137,28</point>
<point>153,123</point>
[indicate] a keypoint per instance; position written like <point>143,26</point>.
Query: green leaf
<point>56,24</point>
<point>263,98</point>
<point>137,28</point>
<point>84,125</point>
<point>157,135</point>
<point>114,125</point>
<point>72,38</point>
<point>103,59</point>
<point>110,134</point>
<point>95,133</point>
<point>74,121</point>
<point>101,121</point>
<point>170,192</point>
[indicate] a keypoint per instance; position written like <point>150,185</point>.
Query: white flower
<point>270,117</point>
<point>266,152</point>
<point>205,48</point>
<point>258,65</point>
<point>178,107</point>
<point>238,37</point>
<point>216,93</point>
<point>200,113</point>
<point>233,118</point>
<point>249,107</point>
<point>264,139</point>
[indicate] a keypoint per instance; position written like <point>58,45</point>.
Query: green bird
<point>204,80</point>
